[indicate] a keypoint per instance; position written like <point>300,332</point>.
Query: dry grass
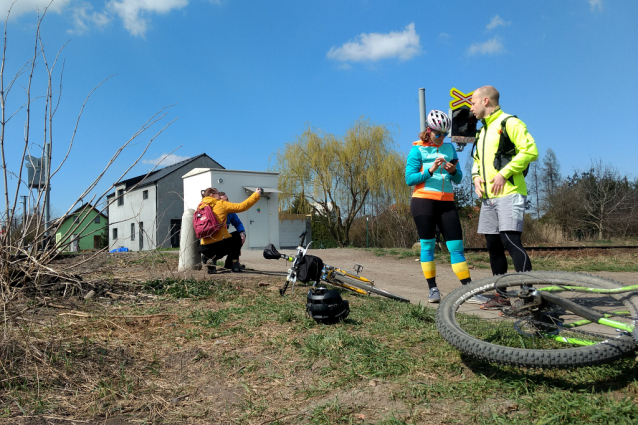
<point>584,260</point>
<point>227,349</point>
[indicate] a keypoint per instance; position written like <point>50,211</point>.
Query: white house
<point>145,212</point>
<point>261,221</point>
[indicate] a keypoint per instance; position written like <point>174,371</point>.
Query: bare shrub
<point>471,238</point>
<point>393,228</point>
<point>536,233</point>
<point>28,277</point>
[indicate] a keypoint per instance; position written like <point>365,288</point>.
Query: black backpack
<point>505,152</point>
<point>310,268</point>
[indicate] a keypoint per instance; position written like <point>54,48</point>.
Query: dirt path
<point>401,276</point>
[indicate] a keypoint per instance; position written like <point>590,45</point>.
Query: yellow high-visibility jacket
<point>487,141</point>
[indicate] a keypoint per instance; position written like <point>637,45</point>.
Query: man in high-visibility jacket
<point>503,152</point>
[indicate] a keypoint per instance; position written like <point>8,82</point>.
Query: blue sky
<point>245,77</point>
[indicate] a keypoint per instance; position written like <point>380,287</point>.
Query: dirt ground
<point>400,276</point>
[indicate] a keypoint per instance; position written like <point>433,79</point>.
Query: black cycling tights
<point>497,244</point>
<point>428,214</point>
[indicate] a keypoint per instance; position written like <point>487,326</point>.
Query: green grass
<point>399,344</point>
<point>398,253</point>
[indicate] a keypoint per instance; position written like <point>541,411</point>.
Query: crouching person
<point>222,243</point>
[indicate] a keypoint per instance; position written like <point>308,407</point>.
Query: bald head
<point>490,92</point>
<point>484,101</point>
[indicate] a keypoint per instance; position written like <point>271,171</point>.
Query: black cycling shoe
<point>235,267</point>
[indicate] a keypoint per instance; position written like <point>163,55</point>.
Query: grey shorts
<point>502,214</point>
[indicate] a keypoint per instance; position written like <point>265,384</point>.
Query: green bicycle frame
<point>605,321</point>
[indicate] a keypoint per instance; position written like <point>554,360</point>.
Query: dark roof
<point>156,175</point>
<point>83,207</point>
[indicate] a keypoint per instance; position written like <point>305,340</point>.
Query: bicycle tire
<point>369,288</point>
<point>449,323</point>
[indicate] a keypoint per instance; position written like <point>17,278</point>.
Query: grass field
<point>231,350</point>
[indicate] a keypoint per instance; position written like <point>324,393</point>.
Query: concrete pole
<point>24,213</point>
<point>189,257</point>
<point>422,108</point>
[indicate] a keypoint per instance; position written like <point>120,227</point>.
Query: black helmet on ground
<point>326,306</point>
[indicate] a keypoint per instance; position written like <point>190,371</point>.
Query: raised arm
<point>231,207</point>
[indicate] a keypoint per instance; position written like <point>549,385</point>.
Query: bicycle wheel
<point>545,336</point>
<point>352,281</point>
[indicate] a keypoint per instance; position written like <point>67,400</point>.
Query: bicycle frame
<point>328,275</point>
<point>294,268</point>
<point>589,316</point>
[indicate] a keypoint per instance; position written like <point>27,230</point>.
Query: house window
<point>76,219</point>
<point>145,194</point>
<point>132,231</point>
<point>97,219</point>
<point>114,234</point>
<point>120,197</point>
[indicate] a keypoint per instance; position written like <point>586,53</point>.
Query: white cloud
<point>490,47</point>
<point>133,12</point>
<point>84,18</point>
<point>373,47</point>
<point>21,7</point>
<point>595,5</point>
<point>497,21</point>
<point>164,160</point>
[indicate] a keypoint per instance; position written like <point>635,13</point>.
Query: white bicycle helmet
<point>439,121</point>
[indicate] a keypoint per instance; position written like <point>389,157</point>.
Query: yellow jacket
<point>221,209</point>
<point>487,142</point>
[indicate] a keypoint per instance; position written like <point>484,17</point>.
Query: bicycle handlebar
<point>302,238</point>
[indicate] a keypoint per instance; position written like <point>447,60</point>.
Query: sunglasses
<point>438,135</point>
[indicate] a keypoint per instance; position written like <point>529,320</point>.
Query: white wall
<point>289,231</point>
<point>233,182</point>
<point>135,210</point>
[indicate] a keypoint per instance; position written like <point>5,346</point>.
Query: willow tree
<point>339,174</point>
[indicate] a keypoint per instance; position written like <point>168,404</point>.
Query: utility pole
<point>24,212</point>
<point>422,108</point>
<point>47,187</point>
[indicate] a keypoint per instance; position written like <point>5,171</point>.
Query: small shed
<point>261,221</point>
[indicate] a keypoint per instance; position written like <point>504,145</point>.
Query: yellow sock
<point>429,269</point>
<point>461,270</point>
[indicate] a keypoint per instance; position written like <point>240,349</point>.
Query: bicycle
<point>554,319</point>
<point>329,274</point>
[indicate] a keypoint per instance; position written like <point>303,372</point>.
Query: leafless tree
<point>27,251</point>
<point>598,202</point>
<point>533,187</point>
<point>549,177</point>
